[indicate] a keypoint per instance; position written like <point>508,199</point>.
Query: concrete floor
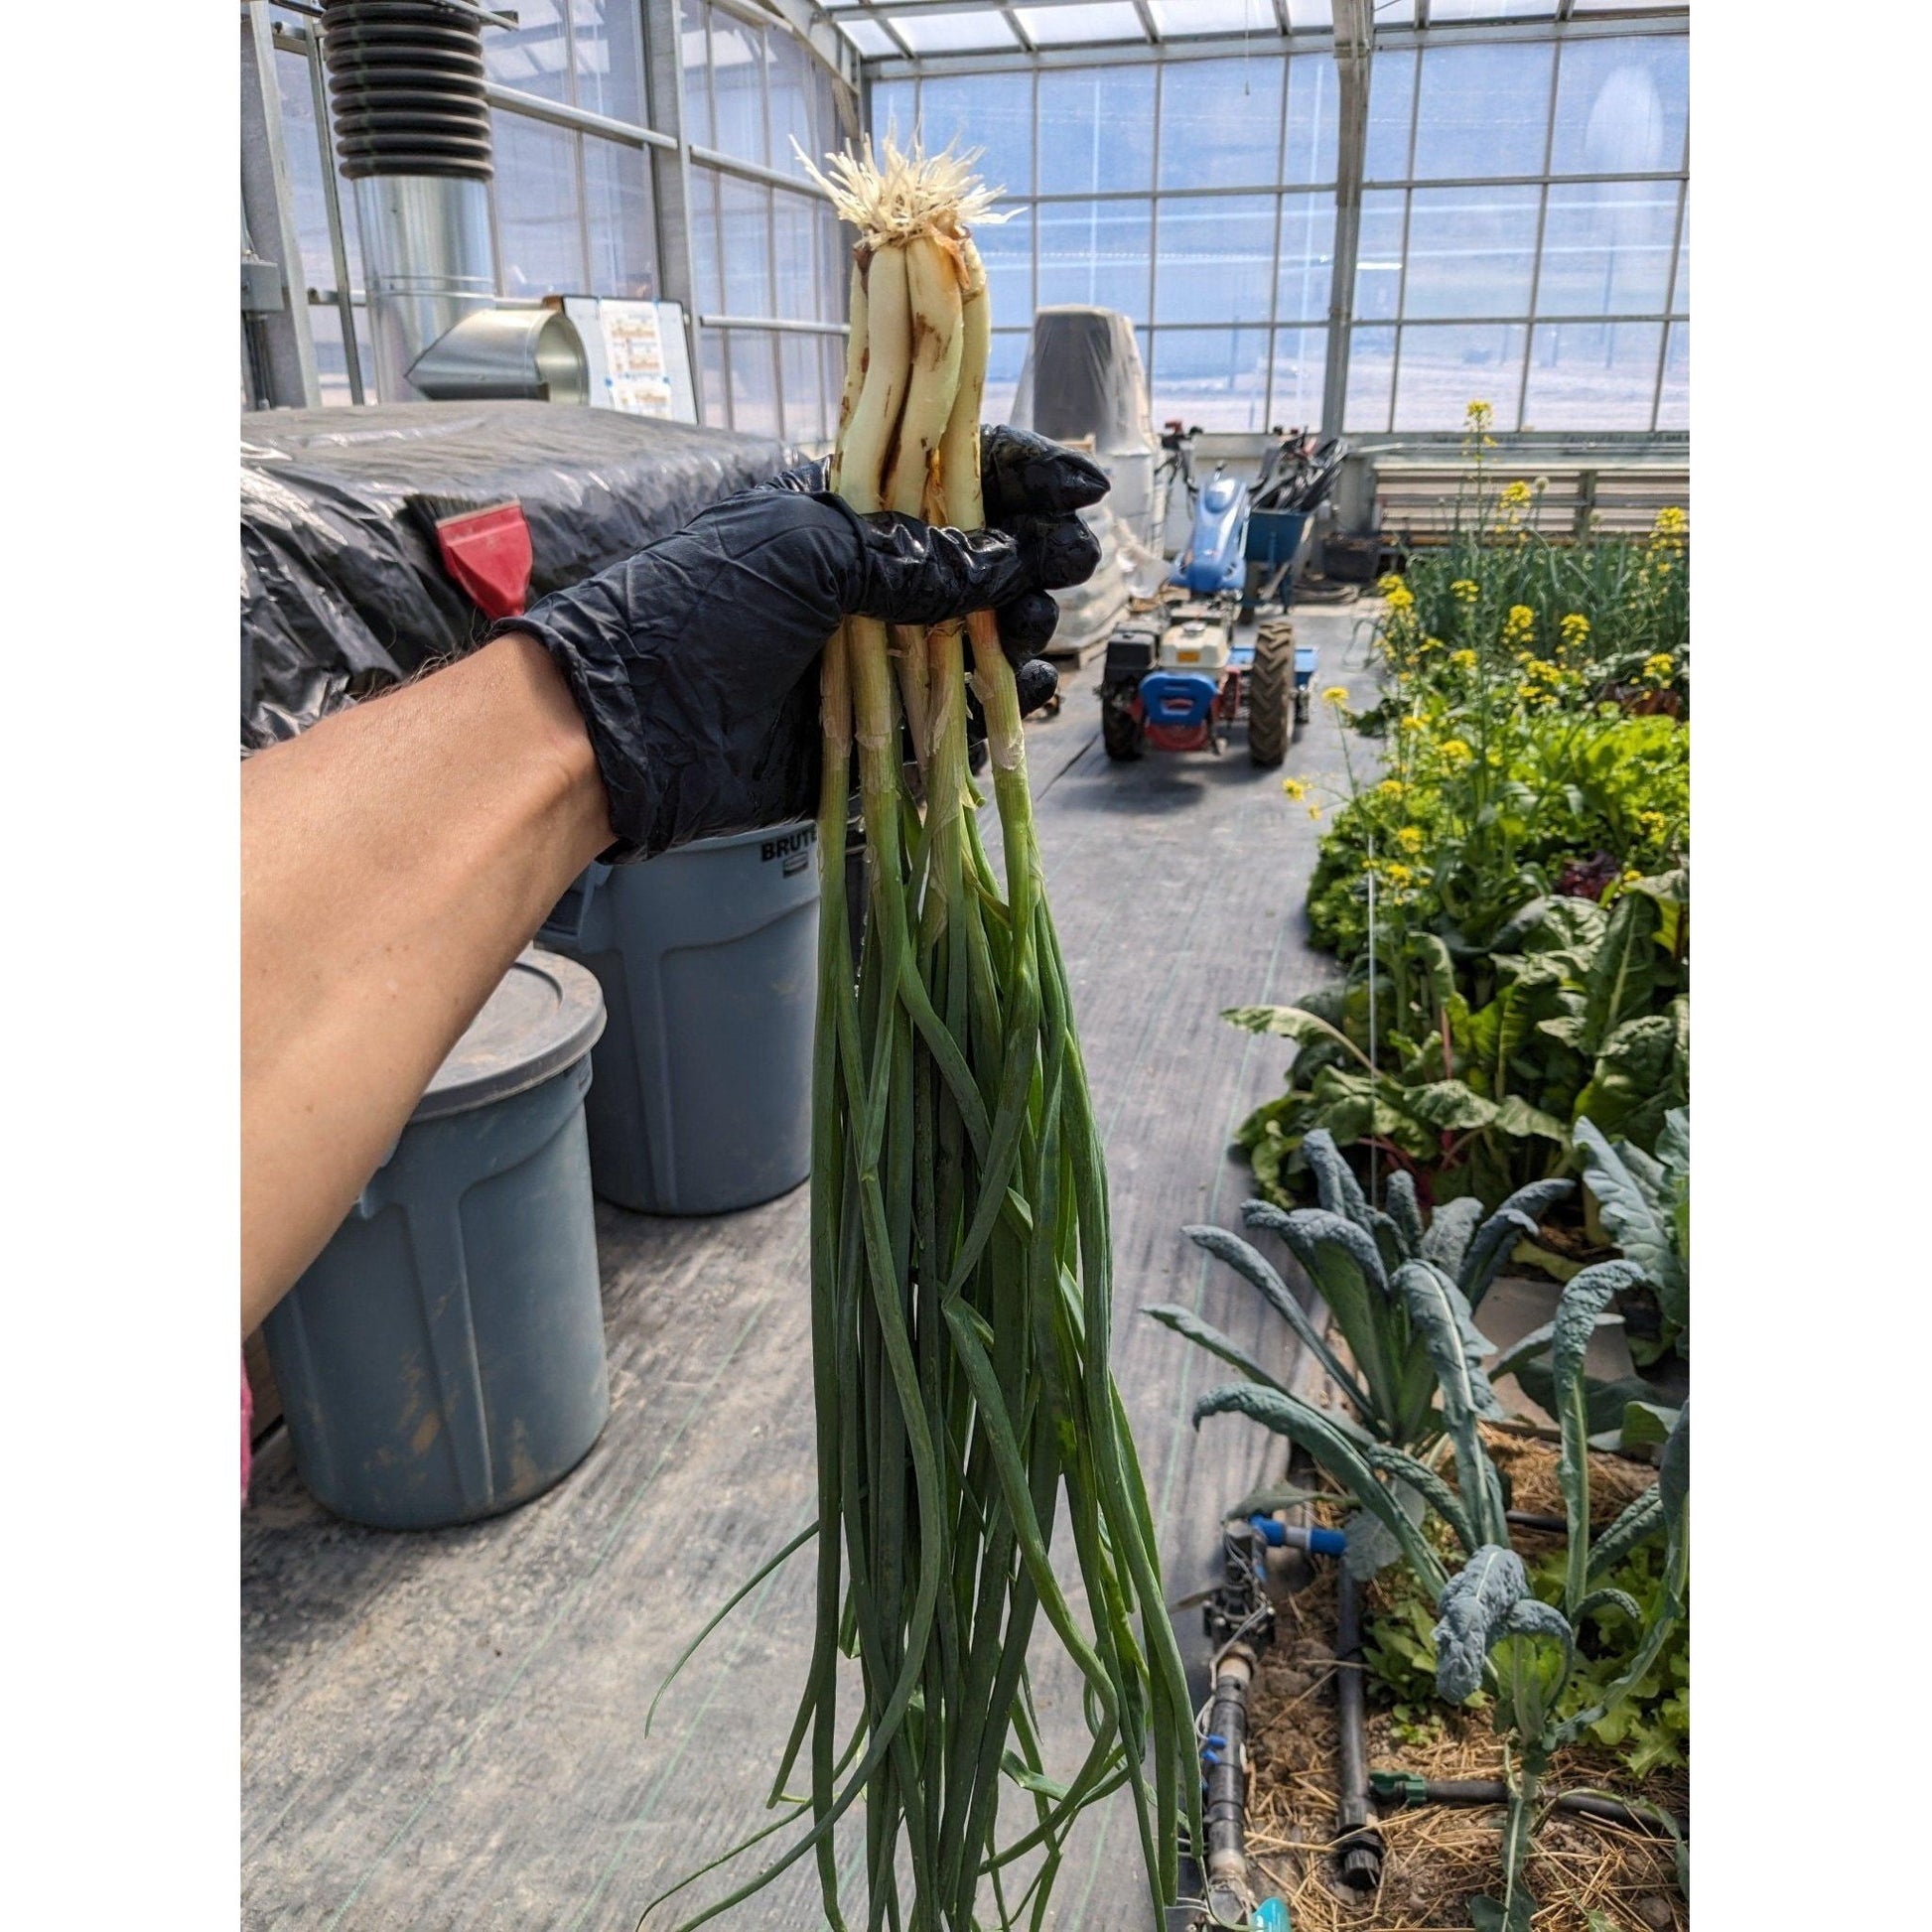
<point>446,1731</point>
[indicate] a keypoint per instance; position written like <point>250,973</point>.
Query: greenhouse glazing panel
<point>1591,374</point>
<point>1482,109</point>
<point>1305,259</point>
<point>1214,259</point>
<point>1095,252</point>
<point>1606,248</point>
<point>1221,123</point>
<point>1096,130</point>
<point>1299,367</point>
<point>1445,366</point>
<point>1471,251</point>
<point>539,218</point>
<point>606,52</point>
<point>622,219</point>
<point>993,111</point>
<point>1622,107</point>
<point>1214,377</point>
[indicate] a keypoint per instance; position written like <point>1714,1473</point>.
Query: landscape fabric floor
<point>446,1731</point>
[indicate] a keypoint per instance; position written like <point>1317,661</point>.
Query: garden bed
<point>1593,1876</point>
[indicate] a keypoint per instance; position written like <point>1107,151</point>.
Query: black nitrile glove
<point>1027,483</point>
<point>695,662</point>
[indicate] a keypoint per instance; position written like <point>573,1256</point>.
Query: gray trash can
<point>442,1357</point>
<point>708,957</point>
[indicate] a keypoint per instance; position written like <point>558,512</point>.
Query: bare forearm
<point>394,860</point>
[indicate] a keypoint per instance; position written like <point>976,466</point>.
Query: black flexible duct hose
<point>406,79</point>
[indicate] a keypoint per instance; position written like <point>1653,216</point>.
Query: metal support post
<point>670,173</point>
<point>287,373</point>
<point>1354,36</point>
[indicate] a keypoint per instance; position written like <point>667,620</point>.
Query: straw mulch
<point>1437,1856</point>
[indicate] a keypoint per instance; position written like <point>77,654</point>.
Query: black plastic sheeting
<point>342,589</point>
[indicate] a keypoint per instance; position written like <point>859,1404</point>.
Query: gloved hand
<point>695,662</point>
<point>1026,482</point>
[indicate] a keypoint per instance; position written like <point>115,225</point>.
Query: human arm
<point>397,857</point>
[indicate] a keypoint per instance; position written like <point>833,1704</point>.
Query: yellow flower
<point>1653,825</point>
<point>1409,724</point>
<point>1337,694</point>
<point>1671,521</point>
<point>1657,669</point>
<point>1295,788</point>
<point>1410,838</point>
<point>1516,496</point>
<point>1315,811</point>
<point>1479,415</point>
<point>1398,875</point>
<point>1465,591</point>
<point>1631,876</point>
<point>1464,661</point>
<point>1430,643</point>
<point>1575,627</point>
<point>1388,582</point>
<point>1453,753</point>
<point>1391,787</point>
<point>1520,625</point>
<point>1402,597</point>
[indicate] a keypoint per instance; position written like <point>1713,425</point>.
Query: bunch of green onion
<point>961,1279</point>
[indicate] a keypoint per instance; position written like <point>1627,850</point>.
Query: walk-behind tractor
<point>1175,677</point>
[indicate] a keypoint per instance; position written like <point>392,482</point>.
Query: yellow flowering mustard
<point>1658,669</point>
<point>1409,724</point>
<point>1516,496</point>
<point>1402,597</point>
<point>1295,788</point>
<point>1465,591</point>
<point>1410,838</point>
<point>1520,625</point>
<point>1315,811</point>
<point>1575,627</point>
<point>1398,875</point>
<point>1464,661</point>
<point>1337,694</point>
<point>1391,787</point>
<point>1430,643</point>
<point>1671,521</point>
<point>1479,415</point>
<point>1455,752</point>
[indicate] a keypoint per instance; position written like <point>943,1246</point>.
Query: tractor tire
<point>1271,695</point>
<point>1122,732</point>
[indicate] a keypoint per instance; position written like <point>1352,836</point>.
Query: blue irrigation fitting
<point>1281,1536</point>
<point>1270,1915</point>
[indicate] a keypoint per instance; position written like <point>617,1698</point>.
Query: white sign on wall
<point>636,354</point>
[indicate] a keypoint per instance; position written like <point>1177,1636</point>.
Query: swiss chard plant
<point>1583,1016</point>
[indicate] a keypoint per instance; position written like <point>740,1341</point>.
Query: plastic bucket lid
<point>545,1016</point>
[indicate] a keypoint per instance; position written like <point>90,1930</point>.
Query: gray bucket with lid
<point>708,957</point>
<point>442,1359</point>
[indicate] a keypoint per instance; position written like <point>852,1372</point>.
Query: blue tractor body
<point>1215,562</point>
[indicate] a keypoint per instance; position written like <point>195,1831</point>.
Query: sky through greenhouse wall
<point>1523,235</point>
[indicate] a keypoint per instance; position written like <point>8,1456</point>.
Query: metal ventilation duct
<point>412,128</point>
